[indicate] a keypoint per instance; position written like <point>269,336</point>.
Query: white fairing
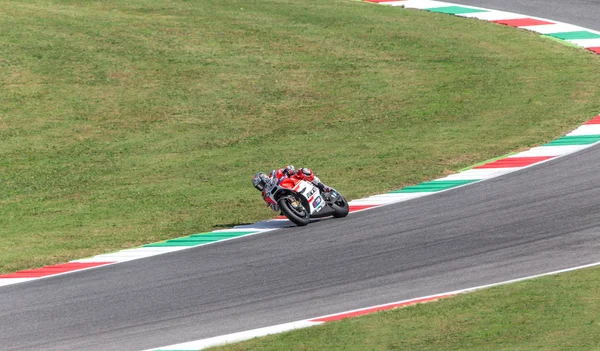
<point>312,194</point>
<point>305,189</point>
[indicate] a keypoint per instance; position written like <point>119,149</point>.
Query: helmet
<point>260,180</point>
<point>289,170</point>
<point>306,172</point>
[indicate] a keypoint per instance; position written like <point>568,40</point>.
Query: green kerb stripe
<point>433,186</point>
<point>212,237</point>
<point>575,35</point>
<point>575,140</point>
<point>199,239</point>
<point>188,241</point>
<point>454,10</point>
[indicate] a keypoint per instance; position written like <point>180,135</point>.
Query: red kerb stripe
<point>382,0</point>
<point>514,162</point>
<point>51,270</point>
<point>595,120</point>
<point>361,207</point>
<point>522,22</point>
<point>337,317</point>
<point>595,49</point>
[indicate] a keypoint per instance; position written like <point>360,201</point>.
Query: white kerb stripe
<point>553,28</point>
<point>586,43</point>
<point>245,228</point>
<point>400,196</point>
<point>480,174</point>
<point>551,150</point>
<point>367,203</point>
<point>387,198</point>
<point>493,15</point>
<point>586,129</point>
<point>261,227</point>
<point>129,254</point>
<point>392,3</point>
<point>477,173</point>
<point>117,257</point>
<point>237,337</point>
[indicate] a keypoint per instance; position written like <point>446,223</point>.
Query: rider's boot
<point>324,188</point>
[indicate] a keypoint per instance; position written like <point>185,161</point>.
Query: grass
<point>129,122</point>
<point>552,313</point>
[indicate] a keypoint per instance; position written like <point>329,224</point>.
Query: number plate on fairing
<point>318,203</point>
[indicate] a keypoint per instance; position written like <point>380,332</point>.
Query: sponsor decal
<point>317,202</point>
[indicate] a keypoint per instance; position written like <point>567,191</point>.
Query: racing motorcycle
<point>300,200</point>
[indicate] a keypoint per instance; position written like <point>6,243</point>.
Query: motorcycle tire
<point>300,218</point>
<point>340,206</point>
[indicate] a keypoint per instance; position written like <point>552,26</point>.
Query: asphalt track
<point>585,13</point>
<point>540,219</point>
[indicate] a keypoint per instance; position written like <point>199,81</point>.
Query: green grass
<point>128,122</point>
<point>553,313</point>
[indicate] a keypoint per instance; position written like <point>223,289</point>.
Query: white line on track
<point>281,328</point>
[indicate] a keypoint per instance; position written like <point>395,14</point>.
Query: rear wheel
<point>294,210</point>
<point>340,206</point>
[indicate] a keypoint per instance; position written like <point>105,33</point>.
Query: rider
<point>260,181</point>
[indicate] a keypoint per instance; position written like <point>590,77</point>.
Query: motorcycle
<point>300,200</point>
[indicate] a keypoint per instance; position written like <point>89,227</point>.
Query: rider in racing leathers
<point>260,181</point>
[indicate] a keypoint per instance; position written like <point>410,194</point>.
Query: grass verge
<point>128,122</point>
<point>551,313</point>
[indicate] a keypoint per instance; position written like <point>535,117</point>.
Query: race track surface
<point>540,219</point>
<point>585,13</point>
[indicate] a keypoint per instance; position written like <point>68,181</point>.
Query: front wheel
<point>340,206</point>
<point>294,210</point>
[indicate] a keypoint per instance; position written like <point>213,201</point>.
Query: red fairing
<point>289,182</point>
<point>268,199</point>
<point>283,180</point>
